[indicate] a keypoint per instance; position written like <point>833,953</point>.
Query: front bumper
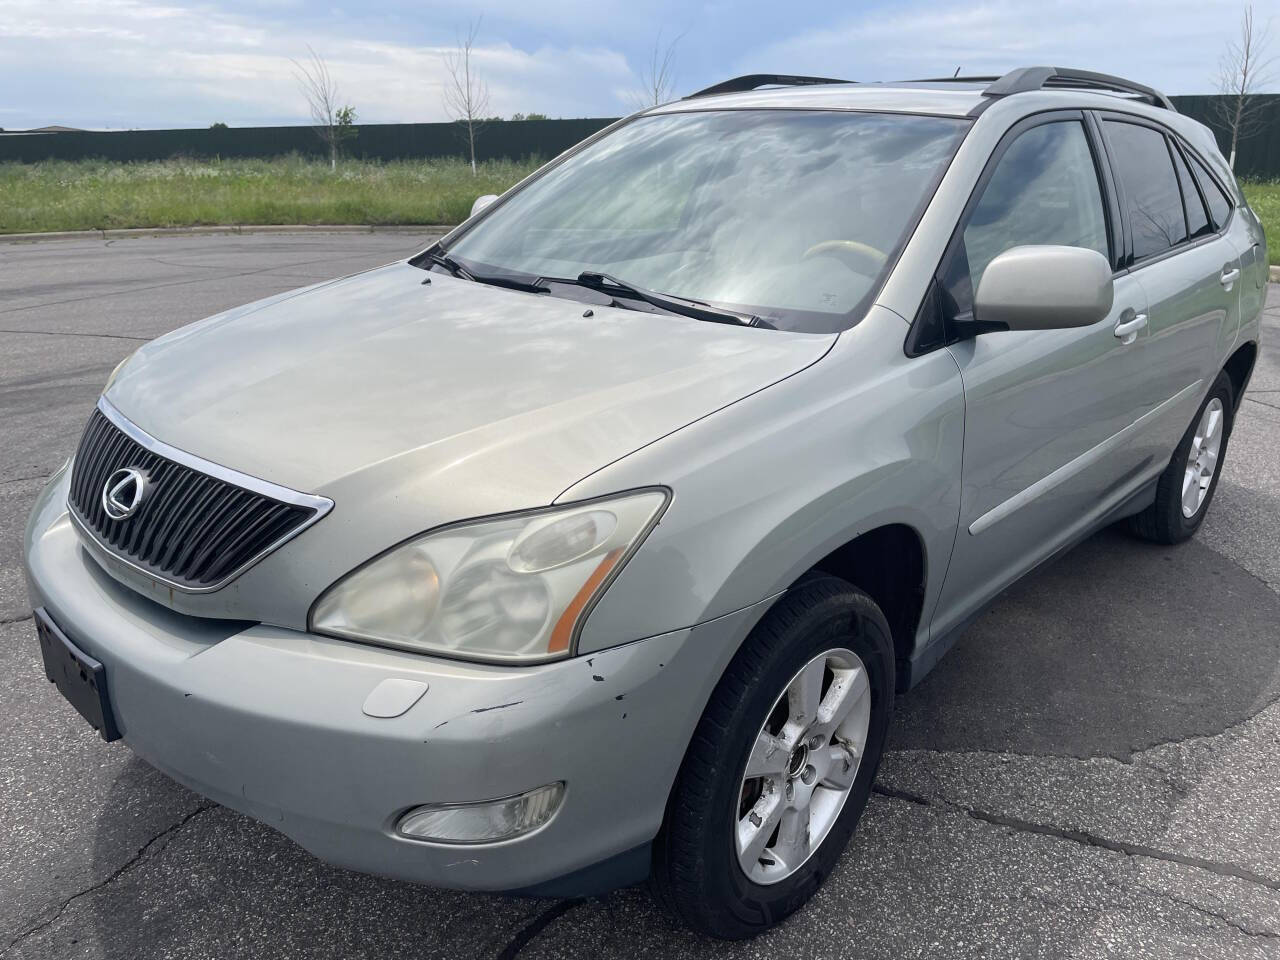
<point>268,721</point>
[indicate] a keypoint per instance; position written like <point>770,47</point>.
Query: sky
<point>112,64</point>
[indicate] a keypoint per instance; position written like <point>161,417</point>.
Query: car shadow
<point>1110,648</point>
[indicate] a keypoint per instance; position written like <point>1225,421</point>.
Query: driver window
<point>1044,190</point>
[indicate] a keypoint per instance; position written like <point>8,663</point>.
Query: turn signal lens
<point>484,822</point>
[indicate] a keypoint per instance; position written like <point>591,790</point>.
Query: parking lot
<point>1094,771</point>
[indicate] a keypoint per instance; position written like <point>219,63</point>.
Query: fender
<point>757,502</point>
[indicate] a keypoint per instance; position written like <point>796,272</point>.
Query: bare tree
<point>334,122</point>
<point>658,76</point>
<point>466,95</point>
<point>1244,68</point>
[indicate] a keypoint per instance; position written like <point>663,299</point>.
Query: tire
<point>698,871</point>
<point>1171,519</point>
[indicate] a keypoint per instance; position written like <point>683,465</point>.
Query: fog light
<point>482,822</point>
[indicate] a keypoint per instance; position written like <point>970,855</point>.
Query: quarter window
<point>1150,187</point>
<point>1219,205</point>
<point>1043,190</point>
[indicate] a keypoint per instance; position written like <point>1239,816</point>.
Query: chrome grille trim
<point>201,471</point>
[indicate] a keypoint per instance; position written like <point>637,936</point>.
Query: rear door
<point>1189,270</point>
<point>1048,413</point>
<point>1232,218</point>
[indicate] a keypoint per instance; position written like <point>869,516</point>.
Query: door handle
<point>1229,277</point>
<point>1127,331</point>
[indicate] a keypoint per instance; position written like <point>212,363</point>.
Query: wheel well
<point>887,563</point>
<point>1239,367</point>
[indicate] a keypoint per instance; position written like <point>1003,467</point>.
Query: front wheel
<point>781,764</point>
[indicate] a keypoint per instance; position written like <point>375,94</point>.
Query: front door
<point>1051,416</point>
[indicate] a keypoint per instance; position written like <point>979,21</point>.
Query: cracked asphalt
<point>1094,771</point>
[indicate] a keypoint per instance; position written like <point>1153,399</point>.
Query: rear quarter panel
<point>1247,234</point>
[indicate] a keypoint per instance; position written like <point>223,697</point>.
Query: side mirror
<point>1044,288</point>
<point>482,202</point>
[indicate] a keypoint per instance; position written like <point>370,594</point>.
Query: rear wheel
<point>1186,487</point>
<point>781,764</point>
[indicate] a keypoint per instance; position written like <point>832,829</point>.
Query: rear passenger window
<point>1197,220</point>
<point>1043,190</point>
<point>1150,188</point>
<point>1219,205</point>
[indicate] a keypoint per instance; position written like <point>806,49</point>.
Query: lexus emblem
<point>123,493</point>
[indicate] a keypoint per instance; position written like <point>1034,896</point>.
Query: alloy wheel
<point>1202,458</point>
<point>802,766</point>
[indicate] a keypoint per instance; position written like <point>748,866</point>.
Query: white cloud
<point>1173,45</point>
<point>141,64</point>
<point>152,63</point>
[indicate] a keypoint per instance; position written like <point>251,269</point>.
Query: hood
<point>450,384</point>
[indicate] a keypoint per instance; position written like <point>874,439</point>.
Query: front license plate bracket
<point>79,677</point>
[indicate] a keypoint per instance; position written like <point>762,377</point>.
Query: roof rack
<point>1037,78</point>
<point>1021,80</point>
<point>754,81</point>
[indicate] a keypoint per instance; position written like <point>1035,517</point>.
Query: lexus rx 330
<point>593,543</point>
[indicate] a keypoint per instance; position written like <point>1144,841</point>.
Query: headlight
<point>509,589</point>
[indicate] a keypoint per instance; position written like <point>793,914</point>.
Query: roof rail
<point>753,81</point>
<point>955,79</point>
<point>1037,78</point>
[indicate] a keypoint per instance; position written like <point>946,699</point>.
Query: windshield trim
<point>852,316</point>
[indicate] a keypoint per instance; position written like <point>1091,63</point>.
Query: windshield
<point>792,216</point>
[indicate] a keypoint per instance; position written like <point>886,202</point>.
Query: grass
<point>1264,197</point>
<point>99,194</point>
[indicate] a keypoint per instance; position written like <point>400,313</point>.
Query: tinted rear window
<point>1150,185</point>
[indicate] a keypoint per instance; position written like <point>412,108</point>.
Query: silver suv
<point>594,542</point>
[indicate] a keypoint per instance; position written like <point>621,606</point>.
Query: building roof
<point>53,129</point>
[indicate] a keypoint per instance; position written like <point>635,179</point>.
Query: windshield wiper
<point>687,308</point>
<point>466,273</point>
<point>605,283</point>
<point>450,264</point>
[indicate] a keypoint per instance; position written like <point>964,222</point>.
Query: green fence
<point>514,139</point>
<point>1258,155</point>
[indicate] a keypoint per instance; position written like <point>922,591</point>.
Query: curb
<point>236,229</point>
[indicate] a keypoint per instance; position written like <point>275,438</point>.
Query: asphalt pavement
<point>1094,770</point>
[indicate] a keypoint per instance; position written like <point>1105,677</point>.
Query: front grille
<point>192,530</point>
